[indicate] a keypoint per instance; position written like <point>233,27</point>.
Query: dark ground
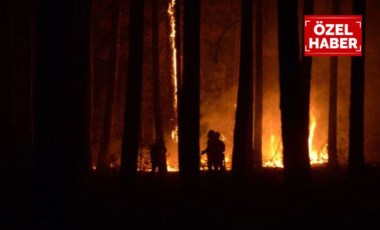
<point>218,203</point>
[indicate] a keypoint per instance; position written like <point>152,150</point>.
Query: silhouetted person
<point>215,151</point>
<point>220,147</point>
<point>157,153</point>
<point>210,149</point>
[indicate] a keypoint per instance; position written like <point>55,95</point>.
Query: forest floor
<point>264,202</point>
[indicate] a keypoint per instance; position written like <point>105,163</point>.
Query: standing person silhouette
<point>210,150</point>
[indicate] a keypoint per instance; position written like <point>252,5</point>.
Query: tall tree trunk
<point>242,149</point>
<point>356,135</point>
<point>306,65</point>
<point>19,79</point>
<point>5,77</point>
<point>257,150</point>
<point>61,99</point>
<point>32,69</point>
<point>130,146</point>
<point>294,120</point>
<point>91,84</point>
<point>189,95</point>
<point>111,90</point>
<point>333,102</point>
<point>156,82</point>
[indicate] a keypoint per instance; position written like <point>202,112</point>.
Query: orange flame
<point>316,156</point>
<point>173,73</point>
<point>170,167</point>
<point>171,13</point>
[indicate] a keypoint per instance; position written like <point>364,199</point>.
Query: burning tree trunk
<point>111,90</point>
<point>333,100</point>
<point>356,135</point>
<point>130,146</point>
<point>5,76</point>
<point>257,150</point>
<point>61,96</point>
<point>156,83</point>
<point>294,119</point>
<point>242,149</point>
<point>189,93</point>
<point>178,41</point>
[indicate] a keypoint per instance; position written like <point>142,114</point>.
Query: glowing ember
<point>94,167</point>
<point>317,156</point>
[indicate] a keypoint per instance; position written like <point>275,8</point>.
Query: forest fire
<point>174,80</point>
<point>317,155</point>
<point>173,71</point>
<point>170,167</point>
<point>174,134</point>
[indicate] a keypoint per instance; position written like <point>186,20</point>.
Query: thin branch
<point>215,58</point>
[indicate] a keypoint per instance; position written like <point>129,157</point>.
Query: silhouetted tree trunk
<point>333,101</point>
<point>308,9</point>
<point>32,18</point>
<point>111,89</point>
<point>242,149</point>
<point>156,82</point>
<point>294,119</point>
<point>5,77</point>
<point>19,59</point>
<point>189,95</point>
<point>257,150</point>
<point>92,83</point>
<point>61,100</point>
<point>130,146</point>
<point>356,135</point>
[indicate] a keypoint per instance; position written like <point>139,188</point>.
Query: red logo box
<point>333,35</point>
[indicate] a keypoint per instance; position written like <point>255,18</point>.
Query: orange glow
<point>170,167</point>
<point>173,74</point>
<point>171,13</point>
<point>316,156</point>
<point>174,134</point>
<point>276,153</point>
